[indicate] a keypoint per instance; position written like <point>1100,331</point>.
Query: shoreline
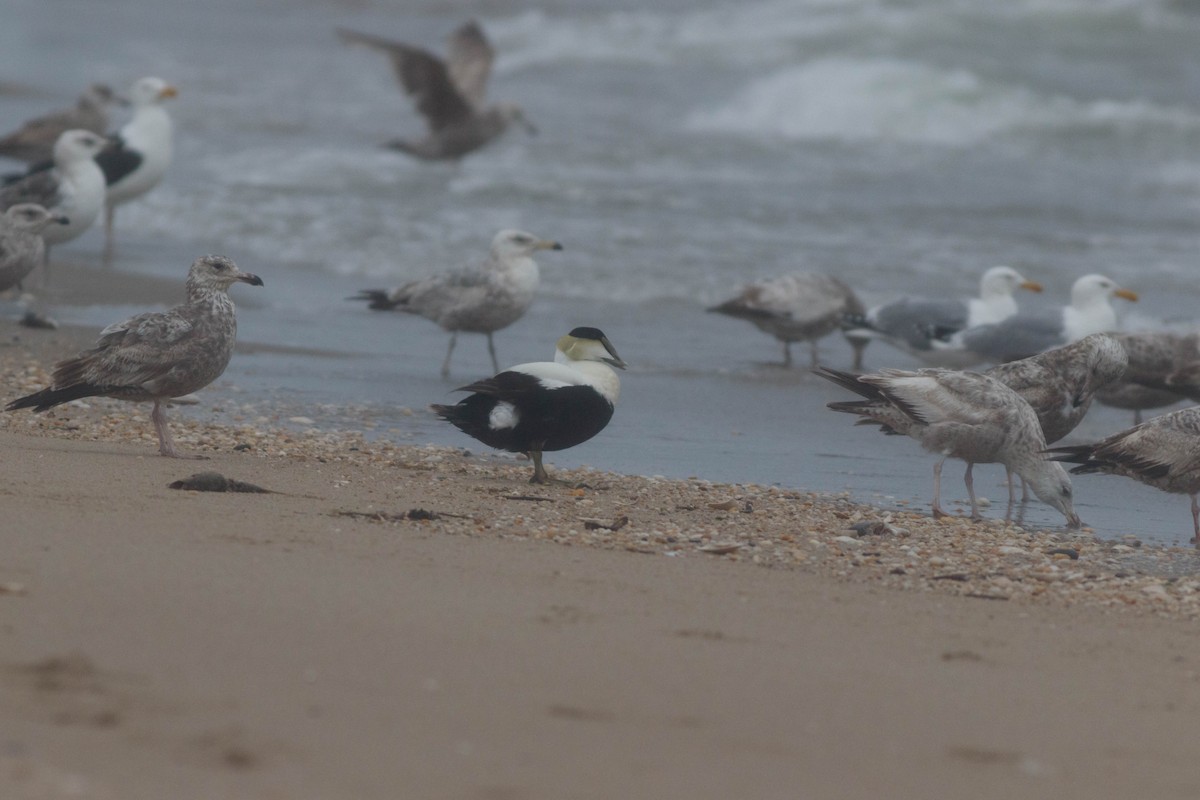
<point>827,534</point>
<point>390,615</point>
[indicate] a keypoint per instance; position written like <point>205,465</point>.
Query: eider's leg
<point>1008,476</point>
<point>937,490</point>
<point>787,353</point>
<point>969,480</point>
<point>449,352</point>
<point>109,212</point>
<point>539,472</point>
<point>1137,416</point>
<point>812,346</point>
<point>492,353</point>
<point>166,445</point>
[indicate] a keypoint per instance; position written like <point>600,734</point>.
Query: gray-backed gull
<point>481,300</point>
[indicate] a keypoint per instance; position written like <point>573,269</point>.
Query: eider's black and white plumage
<point>139,153</point>
<point>544,406</point>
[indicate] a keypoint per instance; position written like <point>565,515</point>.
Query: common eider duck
<point>543,406</point>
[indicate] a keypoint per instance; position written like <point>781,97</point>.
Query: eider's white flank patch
<point>504,415</point>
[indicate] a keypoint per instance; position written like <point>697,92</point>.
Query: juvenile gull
<point>1060,383</point>
<point>449,94</point>
<point>73,187</point>
<point>963,415</point>
<point>803,306</point>
<point>34,141</point>
<point>1028,333</point>
<point>911,323</point>
<point>21,246</point>
<point>1163,452</point>
<point>481,300</point>
<point>138,155</point>
<point>159,355</point>
<point>543,406</point>
<point>1163,370</point>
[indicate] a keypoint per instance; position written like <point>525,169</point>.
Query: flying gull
<point>34,141</point>
<point>543,406</point>
<point>159,355</point>
<point>21,246</point>
<point>963,415</point>
<point>139,153</point>
<point>449,94</point>
<point>1163,452</point>
<point>73,187</point>
<point>1028,333</point>
<point>481,300</point>
<point>911,323</point>
<point>803,306</point>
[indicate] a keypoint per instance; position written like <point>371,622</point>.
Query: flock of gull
<point>1048,367</point>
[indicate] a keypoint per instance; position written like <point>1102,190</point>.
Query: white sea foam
<point>852,100</point>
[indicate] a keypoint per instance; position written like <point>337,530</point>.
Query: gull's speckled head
<point>218,272</point>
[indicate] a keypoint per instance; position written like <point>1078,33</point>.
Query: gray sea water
<point>685,148</point>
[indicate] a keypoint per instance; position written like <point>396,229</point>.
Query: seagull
<point>803,306</point>
<point>34,141</point>
<point>449,94</point>
<point>963,415</point>
<point>1164,369</point>
<point>1027,333</point>
<point>1163,452</point>
<point>159,355</point>
<point>139,153</point>
<point>21,246</point>
<point>910,323</point>
<point>481,300</point>
<point>73,187</point>
<point>1060,383</point>
<point>543,406</point>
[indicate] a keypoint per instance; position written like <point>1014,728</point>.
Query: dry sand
<point>724,642</point>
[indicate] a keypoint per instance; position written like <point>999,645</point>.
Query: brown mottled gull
<point>159,355</point>
<point>21,246</point>
<point>1060,384</point>
<point>73,187</point>
<point>962,415</point>
<point>481,300</point>
<point>449,94</point>
<point>1163,452</point>
<point>1027,333</point>
<point>34,141</point>
<point>911,323</point>
<point>1164,368</point>
<point>803,306</point>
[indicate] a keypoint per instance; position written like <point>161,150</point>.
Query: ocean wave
<point>846,99</point>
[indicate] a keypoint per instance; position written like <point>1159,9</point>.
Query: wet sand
<point>726,641</point>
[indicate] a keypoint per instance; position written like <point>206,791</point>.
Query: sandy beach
<point>397,621</point>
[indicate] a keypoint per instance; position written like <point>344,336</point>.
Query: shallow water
<point>905,146</point>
